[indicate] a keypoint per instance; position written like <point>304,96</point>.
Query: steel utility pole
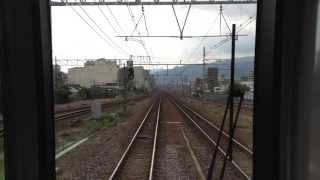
<point>233,43</point>
<point>220,17</point>
<point>55,72</point>
<point>232,126</point>
<point>203,67</point>
<point>229,106</point>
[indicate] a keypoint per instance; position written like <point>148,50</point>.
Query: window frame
<point>29,127</point>
<point>27,85</point>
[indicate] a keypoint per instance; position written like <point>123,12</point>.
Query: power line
<point>134,23</point>
<point>92,28</point>
<point>199,45</point>
<point>243,26</point>
<point>225,21</point>
<point>145,21</point>
<point>107,19</point>
<point>103,32</point>
<point>109,22</point>
<point>116,20</point>
<point>220,14</point>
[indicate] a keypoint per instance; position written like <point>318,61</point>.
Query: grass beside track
<point>86,127</point>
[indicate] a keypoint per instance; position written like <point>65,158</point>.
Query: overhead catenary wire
<point>242,26</point>
<point>134,23</point>
<point>185,20</point>
<point>223,41</point>
<point>107,19</point>
<point>110,23</point>
<point>225,21</point>
<point>220,14</point>
<point>91,27</point>
<point>202,39</point>
<point>145,21</point>
<point>103,32</point>
<point>116,20</point>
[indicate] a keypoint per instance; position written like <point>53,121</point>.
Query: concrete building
<point>199,84</point>
<point>212,78</point>
<point>142,78</point>
<point>251,75</point>
<point>139,77</point>
<point>59,77</point>
<point>248,95</point>
<point>98,72</point>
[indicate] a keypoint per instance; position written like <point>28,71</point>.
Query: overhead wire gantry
<point>139,2</point>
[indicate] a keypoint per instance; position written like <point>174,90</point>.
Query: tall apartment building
<point>251,75</point>
<point>212,77</point>
<point>98,72</point>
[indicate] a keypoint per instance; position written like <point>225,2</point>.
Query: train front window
<point>148,91</point>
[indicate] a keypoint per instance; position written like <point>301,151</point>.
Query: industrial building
<point>97,72</point>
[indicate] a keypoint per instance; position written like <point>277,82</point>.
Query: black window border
<point>27,85</point>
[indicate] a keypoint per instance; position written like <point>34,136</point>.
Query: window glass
<point>142,90</point>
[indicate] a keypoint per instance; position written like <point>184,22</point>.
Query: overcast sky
<point>73,38</point>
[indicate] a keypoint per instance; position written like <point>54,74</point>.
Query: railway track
<point>138,159</point>
<point>81,111</point>
<point>87,109</point>
<point>242,160</point>
<point>72,114</point>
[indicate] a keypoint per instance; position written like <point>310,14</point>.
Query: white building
<point>141,77</point>
<point>248,95</point>
<point>97,72</point>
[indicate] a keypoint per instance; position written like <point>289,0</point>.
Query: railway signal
<point>130,70</point>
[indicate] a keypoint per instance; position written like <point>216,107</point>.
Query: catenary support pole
<point>233,43</point>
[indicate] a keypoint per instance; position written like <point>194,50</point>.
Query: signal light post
<point>128,77</point>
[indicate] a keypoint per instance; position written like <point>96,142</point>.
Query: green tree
<point>61,95</point>
<point>239,89</point>
<point>84,93</point>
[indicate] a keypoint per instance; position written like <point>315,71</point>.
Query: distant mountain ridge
<point>243,65</point>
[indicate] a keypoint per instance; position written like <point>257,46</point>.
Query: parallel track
<point>209,131</point>
<point>81,111</point>
<point>245,148</point>
<point>138,159</point>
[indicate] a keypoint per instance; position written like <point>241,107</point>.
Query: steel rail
<point>155,143</point>
<point>61,116</point>
<point>124,155</point>
<point>72,114</point>
<point>245,148</point>
<point>234,163</point>
<point>86,109</point>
